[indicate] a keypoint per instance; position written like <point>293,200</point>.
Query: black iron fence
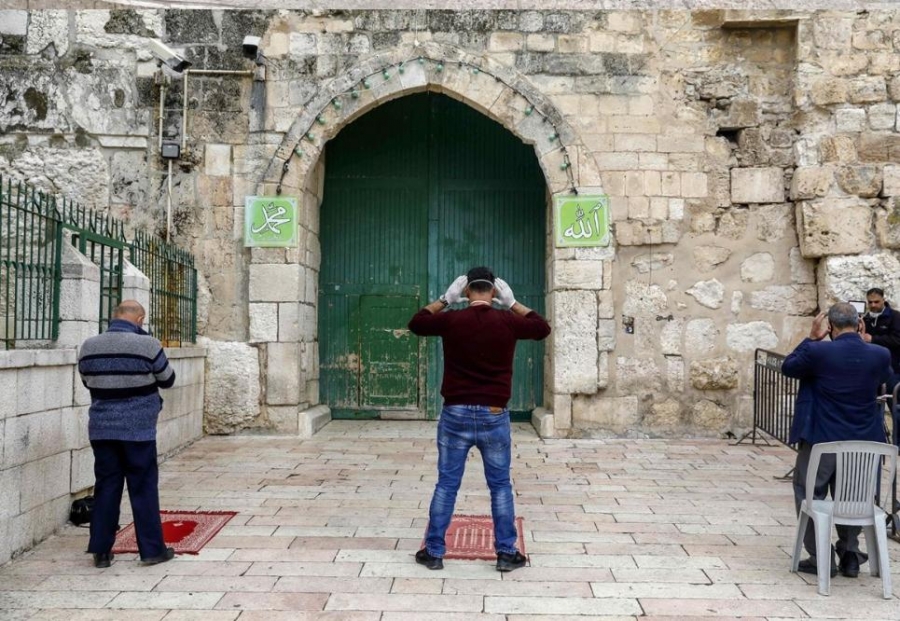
<point>773,399</point>
<point>32,227</point>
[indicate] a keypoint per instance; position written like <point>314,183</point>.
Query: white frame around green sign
<point>270,222</point>
<point>581,221</point>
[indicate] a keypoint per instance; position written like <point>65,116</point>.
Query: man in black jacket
<point>883,327</point>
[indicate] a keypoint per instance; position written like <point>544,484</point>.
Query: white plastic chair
<point>857,471</point>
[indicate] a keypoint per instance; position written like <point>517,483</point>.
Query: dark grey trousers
<point>848,536</point>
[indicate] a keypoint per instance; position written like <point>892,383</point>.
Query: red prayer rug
<point>471,537</point>
<point>186,531</point>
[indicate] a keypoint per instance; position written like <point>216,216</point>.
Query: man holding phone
<point>882,327</point>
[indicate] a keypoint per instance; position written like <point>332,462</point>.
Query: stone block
<point>670,337</point>
<point>860,180</point>
<point>883,116</point>
<point>664,416</point>
<point>14,23</point>
<point>758,267</point>
<point>708,293</point>
<point>709,416</point>
<point>232,388</point>
<point>283,418</point>
<point>694,185</point>
<point>637,375</point>
<point>849,277</point>
<point>276,283</point>
<point>605,305</point>
<point>82,470</point>
<point>577,275</point>
<point>29,400</point>
<point>833,227</point>
<point>700,336</point>
<point>505,42</point>
<point>706,258</point>
<point>8,386</point>
<point>80,287</point>
<point>574,345</point>
<point>811,182</point>
<point>757,185</point>
<point>675,373</point>
<point>867,90</point>
<point>773,222</point>
<point>616,414</point>
<point>803,271</point>
<point>217,160</point>
<point>263,322</point>
<point>544,423</point>
<point>849,120</point>
<point>606,334</point>
<point>283,374</point>
<point>44,480</point>
<point>10,483</point>
<point>891,180</point>
<point>838,149</point>
<point>561,408</point>
<point>289,322</point>
<point>887,225</point>
<point>643,299</point>
<point>827,91</point>
<point>312,420</point>
<point>878,147</point>
<point>745,337</point>
<point>714,374</point>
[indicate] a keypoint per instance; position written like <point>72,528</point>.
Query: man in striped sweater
<point>124,368</point>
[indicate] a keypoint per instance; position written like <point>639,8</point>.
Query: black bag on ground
<point>81,511</point>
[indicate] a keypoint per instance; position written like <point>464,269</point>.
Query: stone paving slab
<point>327,527</point>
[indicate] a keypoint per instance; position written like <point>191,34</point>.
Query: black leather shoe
<point>102,560</point>
<point>850,565</point>
<point>809,566</point>
<point>168,555</point>
<point>509,562</point>
<point>431,562</point>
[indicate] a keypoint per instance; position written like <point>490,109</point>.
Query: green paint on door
<point>416,192</point>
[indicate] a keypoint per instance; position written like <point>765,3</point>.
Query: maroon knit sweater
<point>479,344</point>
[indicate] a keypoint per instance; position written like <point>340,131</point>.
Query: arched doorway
<point>417,191</point>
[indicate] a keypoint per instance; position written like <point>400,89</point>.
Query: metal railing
<point>30,264</point>
<point>773,399</point>
<point>32,227</point>
<point>173,288</point>
<point>101,238</point>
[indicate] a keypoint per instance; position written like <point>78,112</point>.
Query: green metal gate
<point>416,192</point>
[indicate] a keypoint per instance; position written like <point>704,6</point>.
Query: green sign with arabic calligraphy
<point>270,221</point>
<point>581,221</point>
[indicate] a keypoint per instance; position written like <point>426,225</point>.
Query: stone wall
<point>750,159</point>
<point>45,455</point>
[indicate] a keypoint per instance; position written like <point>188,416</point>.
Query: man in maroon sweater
<point>479,345</point>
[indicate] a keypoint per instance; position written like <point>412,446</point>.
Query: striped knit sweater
<point>123,368</point>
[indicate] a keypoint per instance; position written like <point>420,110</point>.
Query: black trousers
<point>848,536</point>
<point>115,462</point>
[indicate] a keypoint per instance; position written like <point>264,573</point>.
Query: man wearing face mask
<point>882,327</point>
<point>479,345</point>
<point>839,382</point>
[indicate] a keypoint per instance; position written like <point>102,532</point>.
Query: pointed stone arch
<point>579,281</point>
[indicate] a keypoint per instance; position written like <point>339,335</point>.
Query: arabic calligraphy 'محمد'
<point>273,219</point>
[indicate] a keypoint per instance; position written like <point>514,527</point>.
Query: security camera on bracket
<point>166,55</point>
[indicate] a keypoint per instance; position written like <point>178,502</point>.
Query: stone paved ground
<point>658,529</point>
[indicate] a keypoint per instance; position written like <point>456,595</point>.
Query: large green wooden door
<point>416,192</point>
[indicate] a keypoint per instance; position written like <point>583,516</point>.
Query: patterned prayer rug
<point>472,537</point>
<point>186,531</point>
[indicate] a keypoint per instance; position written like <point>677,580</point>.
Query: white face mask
<point>875,315</point>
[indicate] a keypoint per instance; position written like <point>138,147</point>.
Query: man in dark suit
<point>839,383</point>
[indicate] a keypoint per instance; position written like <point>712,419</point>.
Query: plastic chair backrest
<point>857,470</point>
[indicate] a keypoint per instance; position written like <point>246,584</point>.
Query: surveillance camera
<point>250,47</point>
<point>172,59</point>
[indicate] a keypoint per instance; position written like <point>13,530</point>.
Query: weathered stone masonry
<point>752,160</point>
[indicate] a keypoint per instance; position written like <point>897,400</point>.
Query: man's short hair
<point>842,316</point>
<point>128,307</point>
<point>875,291</point>
<point>481,279</point>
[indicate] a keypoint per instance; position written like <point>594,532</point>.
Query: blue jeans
<point>459,429</point>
